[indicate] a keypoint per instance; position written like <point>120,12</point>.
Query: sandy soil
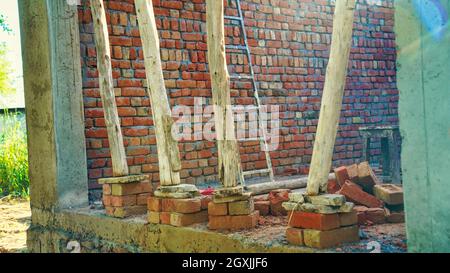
<point>14,221</point>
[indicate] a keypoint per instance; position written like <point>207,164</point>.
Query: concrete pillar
<point>423,81</point>
<point>54,104</point>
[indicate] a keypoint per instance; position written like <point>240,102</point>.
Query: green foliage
<point>6,84</point>
<point>13,157</point>
<point>3,24</point>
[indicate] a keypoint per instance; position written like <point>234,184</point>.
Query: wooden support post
<point>332,96</point>
<point>229,159</point>
<point>168,151</point>
<point>118,156</point>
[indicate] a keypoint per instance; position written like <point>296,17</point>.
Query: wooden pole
<point>229,159</point>
<point>332,97</point>
<point>118,156</point>
<point>168,151</point>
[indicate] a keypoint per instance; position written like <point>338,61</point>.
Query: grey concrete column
<point>424,110</point>
<point>54,104</point>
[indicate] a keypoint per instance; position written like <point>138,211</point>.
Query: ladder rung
<point>241,77</point>
<point>235,18</point>
<point>236,47</point>
<point>246,107</point>
<point>256,172</point>
<point>250,139</point>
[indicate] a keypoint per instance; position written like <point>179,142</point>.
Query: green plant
<point>3,24</point>
<point>6,83</point>
<point>13,157</point>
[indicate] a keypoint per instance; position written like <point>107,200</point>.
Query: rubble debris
<point>263,207</point>
<point>377,203</point>
<point>277,198</point>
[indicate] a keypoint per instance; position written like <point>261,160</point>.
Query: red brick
<point>263,207</point>
<point>142,199</point>
<point>123,201</point>
<point>241,207</point>
<point>179,24</point>
<point>348,219</point>
<point>389,193</point>
<point>132,188</point>
<point>217,209</point>
<point>233,222</point>
<point>352,171</point>
<point>277,198</point>
<point>366,177</point>
<point>395,217</point>
<point>330,238</point>
<point>181,205</point>
<point>341,175</point>
<point>124,212</point>
<point>107,189</point>
<point>183,219</point>
<point>205,200</point>
<point>376,216</point>
<point>106,200</point>
<point>154,204</point>
<point>361,214</point>
<point>307,220</point>
<point>154,217</point>
<point>165,218</point>
<point>333,186</point>
<point>109,210</point>
<point>295,236</point>
<point>355,194</point>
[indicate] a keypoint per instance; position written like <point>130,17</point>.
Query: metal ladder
<point>251,78</point>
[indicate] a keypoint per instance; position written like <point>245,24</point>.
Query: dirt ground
<point>389,238</point>
<point>14,221</point>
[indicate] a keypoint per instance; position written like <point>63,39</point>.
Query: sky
<point>10,10</point>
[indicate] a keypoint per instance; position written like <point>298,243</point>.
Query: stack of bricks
<point>126,196</point>
<point>322,221</point>
<point>178,206</point>
<point>232,209</point>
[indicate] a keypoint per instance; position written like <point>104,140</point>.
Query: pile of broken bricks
<point>126,196</point>
<point>321,221</point>
<point>178,206</point>
<point>376,203</point>
<point>232,209</point>
<point>271,204</point>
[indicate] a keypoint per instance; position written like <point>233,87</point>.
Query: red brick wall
<point>290,43</point>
